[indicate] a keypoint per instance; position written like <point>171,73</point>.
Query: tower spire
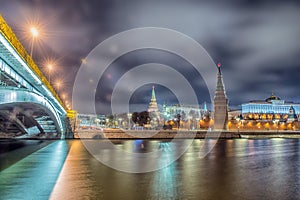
<point>153,104</point>
<point>219,68</point>
<point>153,94</point>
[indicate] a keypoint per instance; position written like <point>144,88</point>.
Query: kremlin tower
<point>220,104</point>
<point>153,108</point>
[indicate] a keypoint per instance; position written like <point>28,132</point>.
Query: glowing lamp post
<point>34,33</point>
<point>242,120</point>
<point>49,67</point>
<point>198,123</point>
<point>129,115</point>
<point>63,96</point>
<point>238,124</point>
<point>120,122</point>
<point>189,122</point>
<point>276,121</point>
<point>58,85</point>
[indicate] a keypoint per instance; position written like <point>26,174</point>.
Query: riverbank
<point>269,134</point>
<point>13,150</point>
<point>182,134</point>
<point>165,134</point>
<point>152,134</point>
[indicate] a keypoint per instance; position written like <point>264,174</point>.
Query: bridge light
<point>83,61</point>
<point>50,67</point>
<point>58,85</point>
<point>34,31</point>
<point>63,96</point>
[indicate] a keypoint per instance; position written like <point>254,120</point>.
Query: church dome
<point>272,97</point>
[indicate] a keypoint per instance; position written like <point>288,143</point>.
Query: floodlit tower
<point>153,104</point>
<point>220,104</point>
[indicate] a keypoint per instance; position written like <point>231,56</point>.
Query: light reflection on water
<point>136,156</point>
<point>34,176</point>
<point>234,169</point>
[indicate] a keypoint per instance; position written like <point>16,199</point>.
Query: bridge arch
<point>31,104</point>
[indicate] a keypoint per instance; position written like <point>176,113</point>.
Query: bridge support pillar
<point>70,124</point>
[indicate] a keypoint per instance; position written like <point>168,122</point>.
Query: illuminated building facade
<point>271,108</point>
<point>186,111</point>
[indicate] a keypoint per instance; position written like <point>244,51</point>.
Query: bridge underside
<point>26,120</point>
<point>29,106</point>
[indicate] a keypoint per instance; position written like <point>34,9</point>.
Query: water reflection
<point>136,156</point>
<point>234,169</point>
<point>35,176</point>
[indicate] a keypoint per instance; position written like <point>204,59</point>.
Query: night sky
<point>257,42</point>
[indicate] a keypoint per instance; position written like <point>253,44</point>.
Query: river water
<point>233,169</point>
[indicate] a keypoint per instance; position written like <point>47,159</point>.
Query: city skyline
<point>256,43</point>
<point>114,99</point>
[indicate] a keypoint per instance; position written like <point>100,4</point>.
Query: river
<point>233,169</point>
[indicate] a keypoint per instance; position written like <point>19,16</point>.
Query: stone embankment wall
<point>147,134</point>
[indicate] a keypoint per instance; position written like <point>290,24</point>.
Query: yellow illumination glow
<point>34,31</point>
<point>50,67</point>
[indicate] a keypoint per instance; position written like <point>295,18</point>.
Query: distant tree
<point>144,118</point>
<point>141,118</point>
<point>134,117</point>
<point>178,119</point>
<point>182,115</point>
<point>207,117</point>
<point>110,120</point>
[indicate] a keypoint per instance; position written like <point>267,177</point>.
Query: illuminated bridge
<point>28,103</point>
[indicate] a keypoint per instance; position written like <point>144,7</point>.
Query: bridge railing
<point>7,32</point>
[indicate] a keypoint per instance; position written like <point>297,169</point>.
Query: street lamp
<point>238,120</point>
<point>198,123</point>
<point>49,67</point>
<point>34,33</point>
<point>58,85</point>
<point>68,105</point>
<point>63,96</point>
<point>190,123</point>
<point>120,122</point>
<point>276,121</point>
<point>242,123</point>
<point>97,121</point>
<point>129,115</point>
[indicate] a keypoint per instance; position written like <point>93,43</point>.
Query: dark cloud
<point>256,41</point>
<point>136,58</point>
